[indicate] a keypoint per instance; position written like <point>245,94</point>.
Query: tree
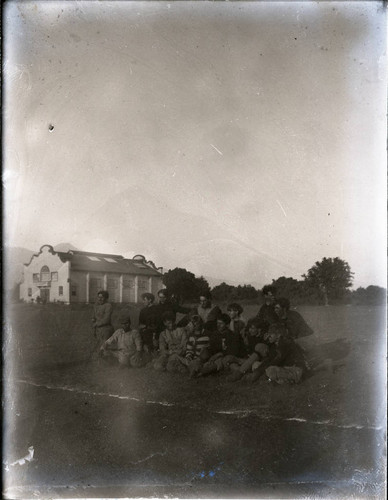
<point>245,292</point>
<point>331,277</point>
<point>290,288</point>
<point>230,293</point>
<point>223,292</point>
<point>202,286</point>
<point>372,295</point>
<point>184,284</point>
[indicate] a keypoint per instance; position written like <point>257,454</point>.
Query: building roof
<point>107,263</point>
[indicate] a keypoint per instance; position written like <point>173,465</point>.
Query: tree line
<point>326,282</point>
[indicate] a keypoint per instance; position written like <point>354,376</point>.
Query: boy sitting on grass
<point>256,345</point>
<point>285,362</point>
<point>197,345</point>
<point>125,345</point>
<point>225,347</point>
<point>236,324</point>
<point>172,346</point>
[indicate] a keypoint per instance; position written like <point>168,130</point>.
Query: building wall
<point>78,286</point>
<point>113,287</point>
<point>66,285</point>
<point>156,284</point>
<point>96,283</point>
<point>121,287</point>
<point>142,286</point>
<point>32,288</point>
<point>129,288</point>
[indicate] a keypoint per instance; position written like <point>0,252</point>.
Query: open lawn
<point>100,431</point>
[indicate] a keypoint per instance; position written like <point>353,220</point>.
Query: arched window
<point>45,274</point>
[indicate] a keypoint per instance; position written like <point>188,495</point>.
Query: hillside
<point>141,220</point>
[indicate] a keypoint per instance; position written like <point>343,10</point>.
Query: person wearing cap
<point>225,347</point>
<point>197,345</point>
<point>125,345</point>
<point>266,314</point>
<point>172,346</point>
<point>101,319</point>
<point>235,311</point>
<point>293,321</point>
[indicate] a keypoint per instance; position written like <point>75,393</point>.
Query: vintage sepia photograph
<point>194,270</point>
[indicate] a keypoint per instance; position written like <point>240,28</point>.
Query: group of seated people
<point>206,340</point>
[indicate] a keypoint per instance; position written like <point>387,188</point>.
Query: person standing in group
<point>266,314</point>
<point>208,313</point>
<point>295,325</point>
<point>148,321</point>
<point>166,304</point>
<point>101,320</point>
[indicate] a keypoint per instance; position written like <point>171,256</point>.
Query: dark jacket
<point>228,343</point>
<point>237,325</point>
<point>148,317</point>
<point>288,353</point>
<point>266,316</point>
<point>296,325</point>
<point>251,342</point>
<point>209,316</point>
<point>285,353</point>
<point>168,307</point>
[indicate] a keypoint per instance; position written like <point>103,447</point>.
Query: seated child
<point>236,324</point>
<point>256,345</point>
<point>197,345</point>
<point>172,346</point>
<point>125,345</point>
<point>225,347</point>
<point>285,362</point>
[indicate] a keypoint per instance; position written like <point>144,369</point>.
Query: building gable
<point>76,276</point>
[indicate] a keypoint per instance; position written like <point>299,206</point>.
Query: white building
<point>76,276</point>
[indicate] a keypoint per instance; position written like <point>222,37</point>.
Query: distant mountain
<point>171,238</point>
<point>153,227</point>
<point>64,247</point>
<point>14,258</point>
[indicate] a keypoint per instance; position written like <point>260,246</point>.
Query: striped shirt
<point>196,344</point>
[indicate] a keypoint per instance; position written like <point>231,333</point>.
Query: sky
<point>243,141</point>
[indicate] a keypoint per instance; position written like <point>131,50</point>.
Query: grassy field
<point>54,343</point>
<point>341,414</point>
